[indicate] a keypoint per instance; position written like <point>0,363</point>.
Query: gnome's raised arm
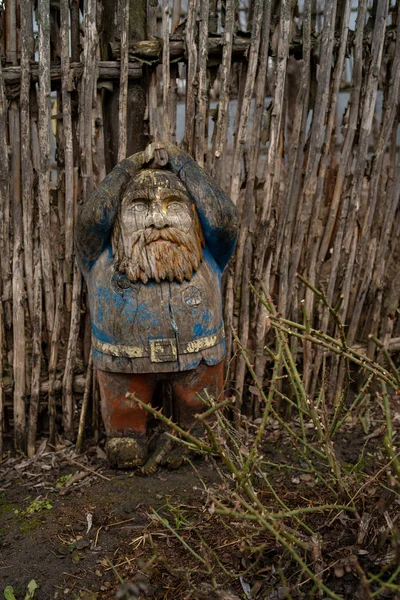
<point>219,217</point>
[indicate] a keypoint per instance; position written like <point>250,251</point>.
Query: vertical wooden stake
<point>176,14</point>
<point>123,86</point>
<point>26,163</point>
<point>87,97</point>
<point>221,126</point>
<point>5,251</point>
<point>67,398</point>
<point>85,405</point>
<point>95,407</point>
<point>154,119</point>
<point>68,149</point>
<point>191,72</point>
<point>201,112</point>
<point>55,338</point>
<point>18,287</point>
<point>247,96</point>
<point>1,380</point>
<point>44,172</point>
<point>36,346</point>
<point>166,72</point>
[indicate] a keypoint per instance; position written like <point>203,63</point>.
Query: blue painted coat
<point>156,327</point>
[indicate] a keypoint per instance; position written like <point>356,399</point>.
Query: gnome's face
<point>157,234</point>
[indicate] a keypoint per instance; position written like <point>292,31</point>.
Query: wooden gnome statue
<point>152,244</point>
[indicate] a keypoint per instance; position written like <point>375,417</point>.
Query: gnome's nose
<point>156,218</point>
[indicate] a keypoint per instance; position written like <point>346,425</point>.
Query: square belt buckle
<point>163,350</point>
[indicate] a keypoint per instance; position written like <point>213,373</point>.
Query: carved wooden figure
<point>152,245</point>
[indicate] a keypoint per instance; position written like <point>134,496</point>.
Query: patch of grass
<point>61,481</point>
<point>35,507</point>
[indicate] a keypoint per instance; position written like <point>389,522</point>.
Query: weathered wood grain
<point>241,137</point>
<point>26,163</point>
<point>54,351</point>
<point>67,384</point>
<point>11,32</point>
<point>18,286</point>
<point>245,244</point>
<point>166,76</point>
<point>44,159</point>
<point>221,126</point>
<point>85,405</point>
<point>191,71</point>
<point>87,97</point>
<point>1,379</point>
<point>5,243</point>
<point>108,70</point>
<point>200,141</point>
<point>68,146</point>
<point>154,119</point>
<point>176,14</point>
<point>36,346</point>
<point>123,82</point>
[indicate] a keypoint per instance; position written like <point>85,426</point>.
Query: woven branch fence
<point>293,107</point>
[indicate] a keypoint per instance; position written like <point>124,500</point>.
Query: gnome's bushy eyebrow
<point>136,194</point>
<point>145,194</point>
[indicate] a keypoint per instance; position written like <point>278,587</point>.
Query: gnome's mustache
<point>168,234</point>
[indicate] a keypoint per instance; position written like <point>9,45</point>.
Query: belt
<point>160,350</point>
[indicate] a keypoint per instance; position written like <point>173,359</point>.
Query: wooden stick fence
<point>297,116</point>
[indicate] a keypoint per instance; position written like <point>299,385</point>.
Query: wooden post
<point>36,346</point>
<point>166,72</point>
<point>154,119</point>
<point>18,287</point>
<point>191,71</point>
<point>1,379</point>
<point>5,251</point>
<point>200,148</point>
<point>44,149</point>
<point>244,254</point>
<point>241,137</point>
<point>68,149</point>
<point>123,83</point>
<point>26,163</point>
<point>221,126</point>
<point>136,136</point>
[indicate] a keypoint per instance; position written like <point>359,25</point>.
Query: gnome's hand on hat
<point>157,154</point>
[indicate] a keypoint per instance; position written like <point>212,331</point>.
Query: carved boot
<point>124,420</point>
<point>127,452</point>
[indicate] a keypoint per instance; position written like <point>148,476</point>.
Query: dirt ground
<point>81,530</point>
<point>64,535</point>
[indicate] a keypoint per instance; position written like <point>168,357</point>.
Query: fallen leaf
<point>32,587</point>
<point>9,593</point>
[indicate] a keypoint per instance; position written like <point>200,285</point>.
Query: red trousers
<point>123,417</point>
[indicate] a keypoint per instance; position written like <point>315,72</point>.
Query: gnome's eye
<point>175,206</point>
<point>139,206</point>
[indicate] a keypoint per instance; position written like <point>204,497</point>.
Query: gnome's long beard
<point>160,254</point>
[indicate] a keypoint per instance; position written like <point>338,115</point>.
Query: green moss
<point>18,517</point>
<point>6,507</point>
<point>29,524</point>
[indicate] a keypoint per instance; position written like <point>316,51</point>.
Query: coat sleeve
<point>218,215</point>
<point>96,217</point>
